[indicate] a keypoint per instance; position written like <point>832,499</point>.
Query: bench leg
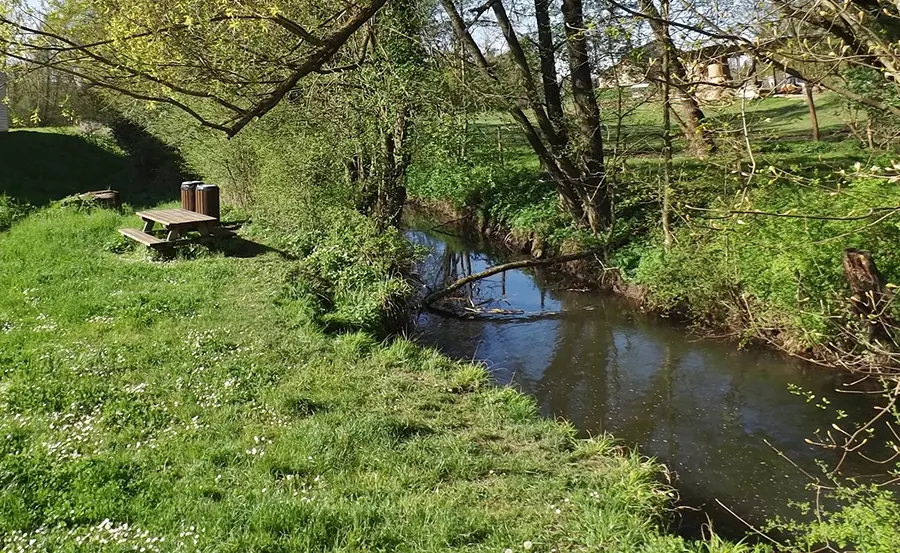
<point>173,235</point>
<point>148,225</point>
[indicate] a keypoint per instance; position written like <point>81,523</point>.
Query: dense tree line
<point>229,64</point>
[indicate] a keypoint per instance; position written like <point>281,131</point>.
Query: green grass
<point>195,405</point>
<point>509,188</point>
<point>775,123</point>
<point>776,118</point>
<point>40,165</point>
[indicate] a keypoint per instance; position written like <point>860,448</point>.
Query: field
<point>196,404</point>
<point>774,124</point>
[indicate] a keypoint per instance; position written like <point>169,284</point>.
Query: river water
<point>718,417</point>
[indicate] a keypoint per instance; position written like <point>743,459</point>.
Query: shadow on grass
<point>245,249</point>
<point>227,243</point>
<point>39,167</point>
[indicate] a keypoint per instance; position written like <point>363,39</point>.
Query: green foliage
<point>195,404</point>
<point>355,273</point>
<point>513,195</point>
<point>42,97</point>
<point>284,157</point>
<point>492,188</point>
<point>869,521</point>
<point>870,83</point>
<point>786,271</point>
<point>853,514</point>
<point>290,176</point>
<point>11,210</point>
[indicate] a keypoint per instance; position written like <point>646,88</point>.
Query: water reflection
<point>715,415</point>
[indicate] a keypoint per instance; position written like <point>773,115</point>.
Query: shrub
<point>11,210</point>
<point>786,270</point>
<point>288,177</point>
<point>354,274</point>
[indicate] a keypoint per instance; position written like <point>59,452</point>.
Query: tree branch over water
<point>524,263</point>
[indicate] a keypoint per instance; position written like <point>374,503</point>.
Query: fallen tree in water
<point>521,264</point>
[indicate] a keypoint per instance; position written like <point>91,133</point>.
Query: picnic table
<point>175,221</point>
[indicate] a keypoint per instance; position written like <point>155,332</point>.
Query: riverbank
<point>201,403</point>
<point>766,270</point>
<point>713,414</point>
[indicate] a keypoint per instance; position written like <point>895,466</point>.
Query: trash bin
<point>207,198</point>
<point>188,198</point>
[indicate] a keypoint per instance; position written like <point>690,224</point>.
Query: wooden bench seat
<point>142,237</point>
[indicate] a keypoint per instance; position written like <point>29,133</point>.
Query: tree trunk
<point>361,178</point>
<point>552,95</point>
<point>568,195</point>
<point>595,192</point>
<point>699,141</point>
<point>560,170</point>
<point>813,117</point>
<point>870,297</point>
<point>557,144</point>
<point>581,184</point>
<point>391,189</point>
<point>667,137</point>
<point>870,132</point>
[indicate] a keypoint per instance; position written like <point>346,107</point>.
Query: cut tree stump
<point>870,297</point>
<point>108,198</point>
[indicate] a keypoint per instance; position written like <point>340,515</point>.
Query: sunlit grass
<point>190,405</point>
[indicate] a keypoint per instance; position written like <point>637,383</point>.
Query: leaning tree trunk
<point>692,117</point>
<point>561,171</point>
<point>580,181</point>
<point>870,297</point>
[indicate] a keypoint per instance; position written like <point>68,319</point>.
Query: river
<point>720,418</point>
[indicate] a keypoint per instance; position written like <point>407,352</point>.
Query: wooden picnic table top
<point>175,217</point>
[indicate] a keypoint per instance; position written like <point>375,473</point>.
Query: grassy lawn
<point>195,405</point>
<point>778,124</point>
<point>514,193</point>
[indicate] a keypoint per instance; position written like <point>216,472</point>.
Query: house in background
<point>716,72</point>
<point>4,109</point>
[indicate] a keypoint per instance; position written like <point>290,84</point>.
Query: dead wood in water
<point>524,263</point>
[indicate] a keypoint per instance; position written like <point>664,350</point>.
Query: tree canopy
<point>224,63</point>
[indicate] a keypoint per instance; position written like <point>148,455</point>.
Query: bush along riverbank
<point>763,264</point>
<point>235,399</point>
